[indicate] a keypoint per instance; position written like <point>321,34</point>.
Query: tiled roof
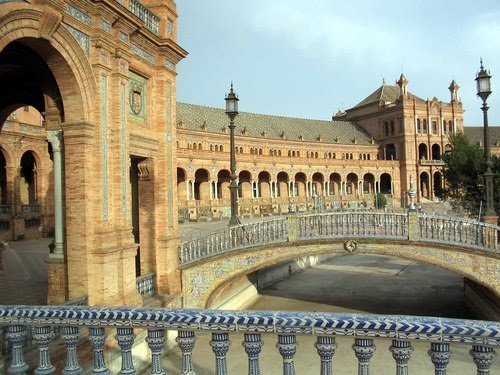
<point>197,117</point>
<point>475,134</point>
<point>385,93</point>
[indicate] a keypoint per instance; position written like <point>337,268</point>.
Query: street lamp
<point>483,91</point>
<point>232,112</point>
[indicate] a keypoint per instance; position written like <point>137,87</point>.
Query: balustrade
<point>348,225</point>
<point>146,285</point>
<point>77,323</point>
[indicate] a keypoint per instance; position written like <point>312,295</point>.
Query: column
<point>156,342</point>
<point>440,356</point>
<point>42,336</point>
<point>17,338</point>
<point>186,341</point>
<point>364,350</point>
<point>483,358</point>
<point>220,346</point>
<point>188,185</point>
<point>211,188</point>
<point>125,338</point>
<point>70,337</point>
<point>326,346</point>
<point>55,139</point>
<point>253,345</point>
<point>401,352</point>
<point>192,190</point>
<point>287,346</point>
<point>97,338</point>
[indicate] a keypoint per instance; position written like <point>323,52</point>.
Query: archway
<point>223,181</point>
<point>245,185</point>
<point>368,183</point>
<point>201,185</point>
<point>351,185</point>
<point>424,185</point>
<point>438,184</point>
<point>436,152</point>
<point>182,187</point>
<point>282,179</point>
<point>422,151</point>
<point>300,184</point>
<point>264,185</point>
<point>385,183</point>
<point>335,181</point>
<point>317,184</point>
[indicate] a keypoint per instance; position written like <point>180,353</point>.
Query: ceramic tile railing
<point>348,225</point>
<point>73,323</point>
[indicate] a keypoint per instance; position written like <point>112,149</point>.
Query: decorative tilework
<point>413,328</point>
<point>137,96</point>
<point>123,151</point>
<point>169,64</point>
<point>123,37</point>
<point>140,52</point>
<point>7,125</point>
<point>82,38</point>
<point>104,145</point>
<point>71,10</point>
<point>105,25</point>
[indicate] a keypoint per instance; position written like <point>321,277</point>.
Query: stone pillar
<point>55,139</point>
<point>413,225</point>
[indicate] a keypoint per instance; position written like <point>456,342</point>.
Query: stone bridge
<point>467,247</point>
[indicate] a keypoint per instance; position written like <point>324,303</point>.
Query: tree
<point>464,168</point>
<point>380,200</point>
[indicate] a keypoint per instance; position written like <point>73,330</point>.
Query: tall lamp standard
<point>232,112</point>
<point>483,91</point>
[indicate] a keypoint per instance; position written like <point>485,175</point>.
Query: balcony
<point>151,20</point>
<point>438,163</point>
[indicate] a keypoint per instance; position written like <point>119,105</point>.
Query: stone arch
<point>368,183</point>
<point>335,183</point>
<point>29,25</point>
<point>3,178</point>
<point>202,184</point>
<point>264,185</point>
<point>385,183</point>
<point>300,184</point>
<point>27,178</point>
<point>317,183</point>
<point>437,180</point>
<point>282,180</point>
<point>436,152</point>
<point>351,184</point>
<point>181,184</point>
<point>201,282</point>
<point>424,185</point>
<point>245,184</point>
<point>223,182</point>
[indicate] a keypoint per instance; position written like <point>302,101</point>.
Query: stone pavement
<point>24,280</point>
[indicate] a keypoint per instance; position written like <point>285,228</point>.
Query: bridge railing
<point>353,224</point>
<point>74,324</point>
<point>458,231</point>
<point>383,225</point>
<point>234,238</point>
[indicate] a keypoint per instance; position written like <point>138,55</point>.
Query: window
<point>434,127</point>
<point>170,27</point>
<point>419,129</point>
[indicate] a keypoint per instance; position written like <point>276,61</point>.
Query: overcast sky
<point>311,58</point>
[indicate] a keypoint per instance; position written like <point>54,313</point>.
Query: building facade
<point>287,165</point>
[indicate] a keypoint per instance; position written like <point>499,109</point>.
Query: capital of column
<point>55,138</point>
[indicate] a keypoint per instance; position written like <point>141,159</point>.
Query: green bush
<point>380,200</point>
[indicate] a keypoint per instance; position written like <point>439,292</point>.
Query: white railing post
<point>97,338</point>
<point>156,342</point>
<point>253,345</point>
<point>220,346</point>
<point>70,337</point>
<point>440,356</point>
<point>326,346</point>
<point>364,350</point>
<point>186,341</point>
<point>401,352</point>
<point>287,346</point>
<point>42,336</point>
<point>483,358</point>
<point>125,338</point>
<point>16,334</point>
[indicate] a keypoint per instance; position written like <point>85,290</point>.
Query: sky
<point>309,59</point>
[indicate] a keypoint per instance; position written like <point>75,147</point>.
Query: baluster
<point>186,341</point>
<point>440,355</point>
<point>43,336</point>
<point>326,346</point>
<point>483,358</point>
<point>16,335</point>
<point>220,346</point>
<point>156,342</point>
<point>253,345</point>
<point>70,338</point>
<point>97,337</point>
<point>401,352</point>
<point>125,338</point>
<point>364,350</point>
<point>287,346</point>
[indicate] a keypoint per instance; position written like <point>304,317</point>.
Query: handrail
<point>482,336</point>
<point>344,224</point>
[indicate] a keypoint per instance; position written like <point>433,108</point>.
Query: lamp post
<point>483,91</point>
<point>232,112</point>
